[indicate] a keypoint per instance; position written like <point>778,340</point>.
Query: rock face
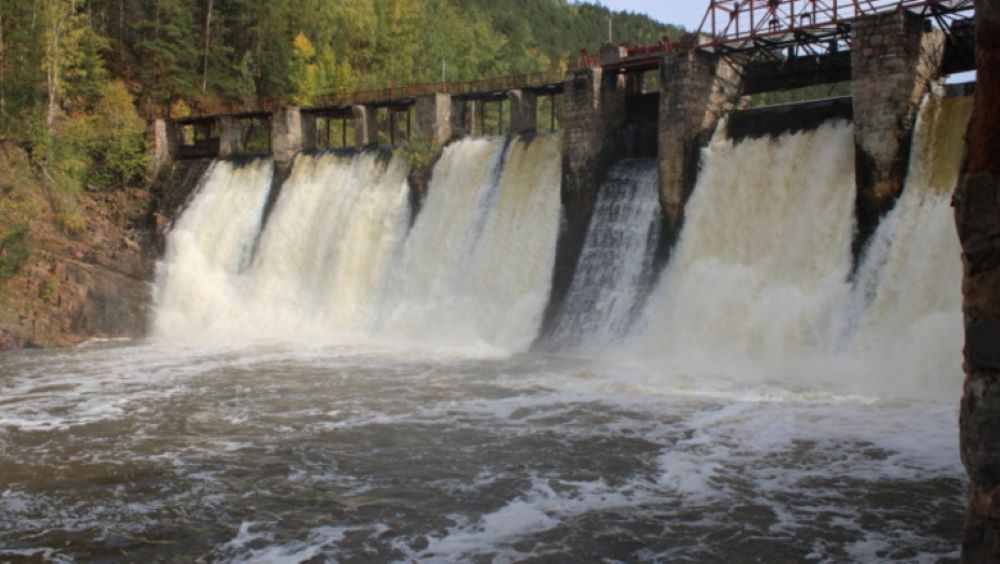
<point>93,284</point>
<point>977,214</point>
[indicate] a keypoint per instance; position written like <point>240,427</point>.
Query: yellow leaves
<point>302,47</point>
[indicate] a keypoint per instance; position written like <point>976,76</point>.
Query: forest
<point>79,78</point>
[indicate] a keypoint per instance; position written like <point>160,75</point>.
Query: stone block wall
<point>894,59</point>
<point>698,88</point>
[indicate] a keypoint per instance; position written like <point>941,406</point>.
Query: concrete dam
<point>619,314</point>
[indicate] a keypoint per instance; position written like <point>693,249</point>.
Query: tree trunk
<point>208,44</point>
<point>977,215</point>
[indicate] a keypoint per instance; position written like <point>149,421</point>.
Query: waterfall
<point>336,261</point>
<point>758,289</point>
<point>762,258</point>
<point>328,244</point>
<point>209,246</point>
<point>476,268</point>
<point>617,259</point>
<point>907,304</point>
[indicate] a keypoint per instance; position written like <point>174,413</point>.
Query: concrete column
<point>466,117</point>
<point>893,61</point>
<point>158,146</point>
<point>365,125</point>
<point>523,112</point>
<point>309,133</point>
<point>229,135</point>
<point>434,117</point>
<point>697,88</point>
<point>286,134</point>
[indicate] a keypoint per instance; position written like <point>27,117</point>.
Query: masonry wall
<point>893,61</point>
<point>698,88</point>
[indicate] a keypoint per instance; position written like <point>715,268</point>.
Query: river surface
<point>271,452</point>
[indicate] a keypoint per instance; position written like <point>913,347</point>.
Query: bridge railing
<point>732,21</point>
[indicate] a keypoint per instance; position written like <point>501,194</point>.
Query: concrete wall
<point>697,89</point>
<point>893,61</point>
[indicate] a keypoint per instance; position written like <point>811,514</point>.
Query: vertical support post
<point>523,112</point>
<point>434,117</point>
<point>893,61</point>
<point>365,126</point>
<point>286,134</point>
<point>229,135</point>
<point>697,88</point>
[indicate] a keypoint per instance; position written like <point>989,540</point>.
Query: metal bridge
<point>779,33</point>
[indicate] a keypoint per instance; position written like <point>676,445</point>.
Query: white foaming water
<point>209,245</point>
<point>763,257</point>
<point>476,269</point>
<point>320,260</point>
<point>908,296</point>
<point>331,263</point>
<point>327,246</point>
<point>617,257</point>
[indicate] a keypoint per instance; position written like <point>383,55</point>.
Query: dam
<point>671,328</point>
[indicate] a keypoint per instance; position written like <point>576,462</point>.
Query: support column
<point>594,106</point>
<point>310,135</point>
<point>229,135</point>
<point>697,89</point>
<point>158,146</point>
<point>286,134</point>
<point>365,126</point>
<point>523,112</point>
<point>465,117</point>
<point>893,61</point>
<point>434,117</point>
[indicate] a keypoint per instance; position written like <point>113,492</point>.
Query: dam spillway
<point>332,376</point>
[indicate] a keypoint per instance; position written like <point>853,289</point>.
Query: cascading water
<point>476,268</point>
<point>762,258</point>
<point>332,263</point>
<point>209,247</point>
<point>907,304</point>
<point>319,261</point>
<point>616,263</point>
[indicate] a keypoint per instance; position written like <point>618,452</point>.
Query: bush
<point>14,251</point>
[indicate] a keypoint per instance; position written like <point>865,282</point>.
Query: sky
<point>687,13</point>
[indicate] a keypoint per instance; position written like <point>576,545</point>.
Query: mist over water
<point>347,382</point>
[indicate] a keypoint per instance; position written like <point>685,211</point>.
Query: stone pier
<point>698,88</point>
<point>286,134</point>
<point>523,112</point>
<point>894,58</point>
<point>230,136</point>
<point>365,126</point>
<point>434,122</point>
<point>594,106</point>
<point>467,117</point>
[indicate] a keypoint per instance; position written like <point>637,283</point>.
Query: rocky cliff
<point>977,214</point>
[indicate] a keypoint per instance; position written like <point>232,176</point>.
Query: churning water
<point>344,383</point>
